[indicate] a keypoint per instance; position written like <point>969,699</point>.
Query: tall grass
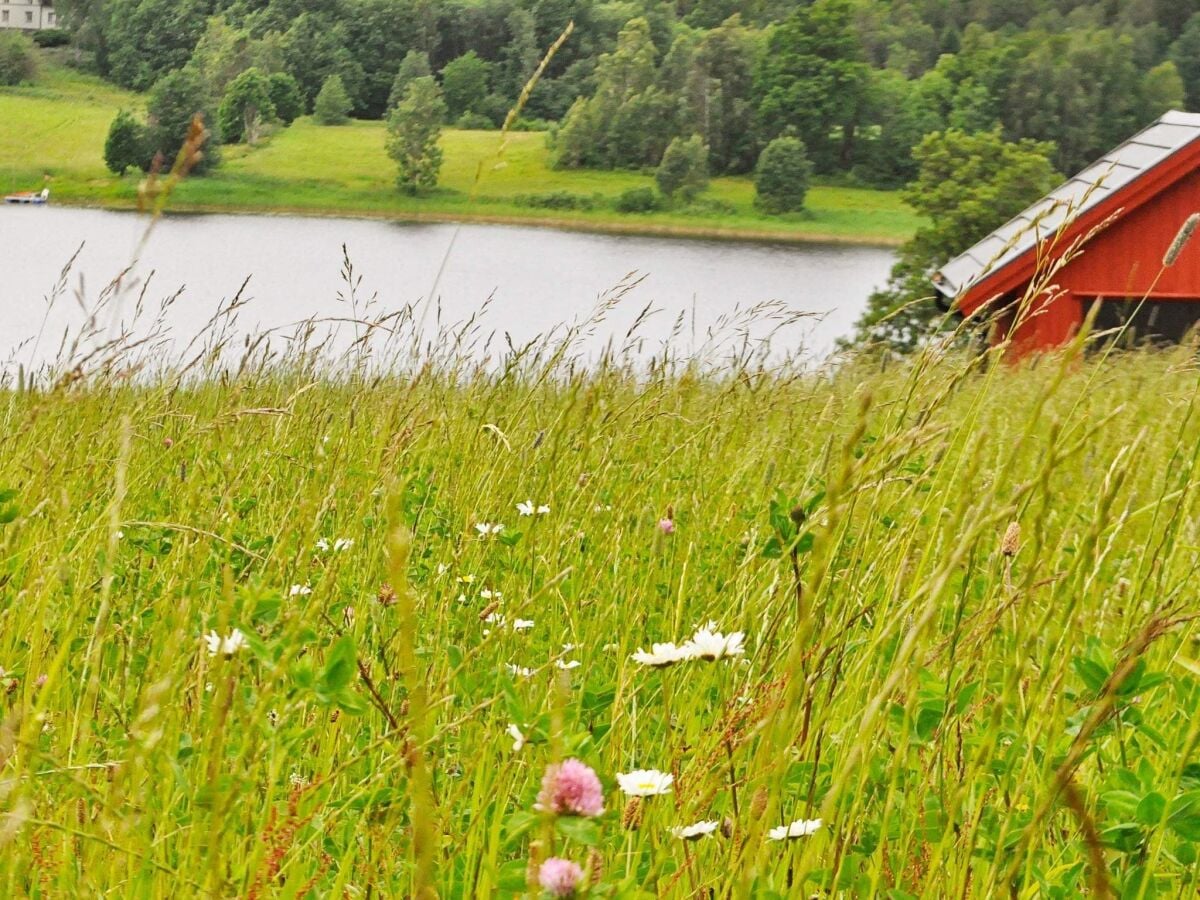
<point>971,707</point>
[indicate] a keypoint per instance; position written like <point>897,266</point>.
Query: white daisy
<point>488,529</point>
<point>519,671</point>
<point>226,646</point>
<point>695,832</point>
<point>299,590</point>
<point>323,545</point>
<point>662,655</point>
<point>522,624</point>
<point>342,544</point>
<point>709,644</point>
<point>490,595</point>
<point>567,665</point>
<point>518,739</point>
<point>798,829</point>
<point>645,782</point>
<point>528,509</point>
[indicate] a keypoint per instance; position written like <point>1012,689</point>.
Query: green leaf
<point>583,831</point>
<point>339,665</point>
<point>1150,810</point>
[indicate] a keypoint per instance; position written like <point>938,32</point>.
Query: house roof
<point>1103,179</point>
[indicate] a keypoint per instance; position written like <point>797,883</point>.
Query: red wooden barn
<point>1138,196</point>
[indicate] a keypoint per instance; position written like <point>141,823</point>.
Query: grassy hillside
<point>967,595</point>
<point>58,127</point>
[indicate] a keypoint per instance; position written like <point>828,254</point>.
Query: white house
<point>27,15</point>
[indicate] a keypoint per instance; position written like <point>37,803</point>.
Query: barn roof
<point>1116,170</point>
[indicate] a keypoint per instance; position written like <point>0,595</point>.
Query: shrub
<point>781,177</point>
<point>637,200</point>
<point>245,107</point>
<point>127,145</point>
<point>473,121</point>
<point>177,97</point>
<point>555,200</point>
<point>465,83</point>
<point>51,37</point>
<point>332,106</point>
<point>684,168</point>
<point>17,60</point>
<point>285,97</point>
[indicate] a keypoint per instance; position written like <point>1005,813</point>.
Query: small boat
<point>38,198</point>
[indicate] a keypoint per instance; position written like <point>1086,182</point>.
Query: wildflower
<point>488,529</point>
<point>342,544</point>
<point>666,526</point>
<point>518,739</point>
<point>519,671</point>
<point>41,680</point>
<point>168,443</point>
<point>645,782</point>
<point>798,829</point>
<point>709,644</point>
<point>560,877</point>
<point>522,624</point>
<point>485,594</point>
<point>465,579</point>
<point>567,666</point>
<point>299,590</point>
<point>662,655</point>
<point>297,780</point>
<point>386,596</point>
<point>695,832</point>
<point>442,568</point>
<point>227,646</point>
<point>322,545</point>
<point>528,509</point>
<point>571,788</point>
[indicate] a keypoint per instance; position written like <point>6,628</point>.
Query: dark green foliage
<point>683,172</point>
<point>465,84</point>
<point>314,49</point>
<point>414,127</point>
<point>285,97</point>
<point>145,39</point>
<point>246,107</point>
<point>174,101</point>
<point>332,106</point>
<point>17,61</point>
<point>1185,53</point>
<point>781,176</point>
<point>127,145</point>
<point>967,185</point>
<point>414,65</point>
<point>51,37</point>
<point>637,200</point>
<point>813,79</point>
<point>555,200</point>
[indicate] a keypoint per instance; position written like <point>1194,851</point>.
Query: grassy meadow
<point>57,127</point>
<point>264,635</point>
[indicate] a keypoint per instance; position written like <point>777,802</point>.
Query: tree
<point>285,97</point>
<point>175,99</point>
<point>314,48</point>
<point>1162,88</point>
<point>127,144</point>
<point>17,60</point>
<point>413,130</point>
<point>1185,53</point>
<point>683,171</point>
<point>414,65</point>
<point>148,38</point>
<point>781,176</point>
<point>332,106</point>
<point>246,107</point>
<point>813,79</point>
<point>464,83</point>
<point>967,185</point>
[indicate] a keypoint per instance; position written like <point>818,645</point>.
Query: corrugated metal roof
<point>1144,151</point>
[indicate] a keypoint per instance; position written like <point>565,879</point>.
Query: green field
<point>57,127</point>
<point>967,593</point>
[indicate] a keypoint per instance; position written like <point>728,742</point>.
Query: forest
<point>859,82</point>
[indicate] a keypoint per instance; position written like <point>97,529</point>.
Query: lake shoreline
<point>556,223</point>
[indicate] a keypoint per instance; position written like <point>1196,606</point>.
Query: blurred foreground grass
<point>972,708</point>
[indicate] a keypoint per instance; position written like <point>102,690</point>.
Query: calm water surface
<point>536,278</point>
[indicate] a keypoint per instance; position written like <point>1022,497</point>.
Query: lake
<point>529,279</point>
